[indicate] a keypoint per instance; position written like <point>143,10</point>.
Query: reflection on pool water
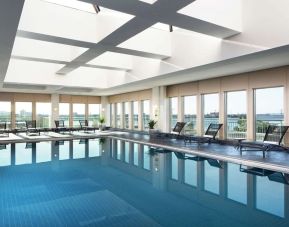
<point>118,183</point>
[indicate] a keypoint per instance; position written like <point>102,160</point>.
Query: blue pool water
<point>117,183</point>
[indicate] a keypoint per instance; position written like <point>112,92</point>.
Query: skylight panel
<point>75,4</point>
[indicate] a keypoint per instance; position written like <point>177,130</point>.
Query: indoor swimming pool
<point>109,182</point>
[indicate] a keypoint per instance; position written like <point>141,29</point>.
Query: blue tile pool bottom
<point>107,190</point>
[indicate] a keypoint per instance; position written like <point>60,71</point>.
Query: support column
<point>122,115</point>
<point>130,116</point>
<point>54,109</point>
<point>163,113</point>
<point>180,109</point>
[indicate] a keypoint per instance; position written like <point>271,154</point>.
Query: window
<point>64,113</point>
<point>211,109</point>
<point>112,115</point>
<point>118,115</point>
<point>5,113</point>
<point>236,114</point>
<point>135,115</point>
<point>190,114</point>
<point>146,114</point>
<point>93,114</point>
<point>78,113</point>
<point>268,109</point>
<point>43,115</point>
<point>127,106</point>
<point>173,112</point>
<point>23,111</point>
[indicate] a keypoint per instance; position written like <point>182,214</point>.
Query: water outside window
<point>64,113</point>
<point>211,109</point>
<point>173,112</point>
<point>118,115</point>
<point>43,115</point>
<point>127,106</point>
<point>236,114</point>
<point>268,109</point>
<point>5,113</point>
<point>93,114</point>
<point>135,115</point>
<point>145,114</point>
<point>78,113</point>
<point>190,114</point>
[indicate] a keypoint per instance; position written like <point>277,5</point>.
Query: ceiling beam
<point>10,12</point>
<point>173,18</point>
<point>66,62</point>
<point>89,45</point>
<point>129,29</point>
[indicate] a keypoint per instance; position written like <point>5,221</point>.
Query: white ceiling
<point>64,46</point>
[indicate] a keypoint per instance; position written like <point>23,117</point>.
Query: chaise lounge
<point>31,129</point>
<point>272,141</point>
<point>209,136</point>
<point>3,130</point>
<point>84,126</point>
<point>60,127</point>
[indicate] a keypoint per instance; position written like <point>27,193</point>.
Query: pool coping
<point>265,164</point>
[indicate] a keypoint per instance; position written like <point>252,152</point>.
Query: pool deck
<point>274,160</point>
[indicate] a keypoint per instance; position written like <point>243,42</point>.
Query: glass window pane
<point>118,115</point>
<point>270,196</point>
<point>173,112</point>
<point>211,109</point>
<point>43,115</point>
<point>5,113</point>
<point>191,172</point>
<point>93,114</point>
<point>237,184</point>
<point>135,153</point>
<point>146,158</point>
<point>236,114</point>
<point>135,115</point>
<point>78,113</point>
<point>23,111</point>
<point>269,109</point>
<point>127,106</point>
<point>64,113</point>
<point>146,114</point>
<point>212,178</point>
<point>174,162</point>
<point>190,114</point>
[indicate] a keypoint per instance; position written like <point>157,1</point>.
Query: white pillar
<point>54,109</point>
